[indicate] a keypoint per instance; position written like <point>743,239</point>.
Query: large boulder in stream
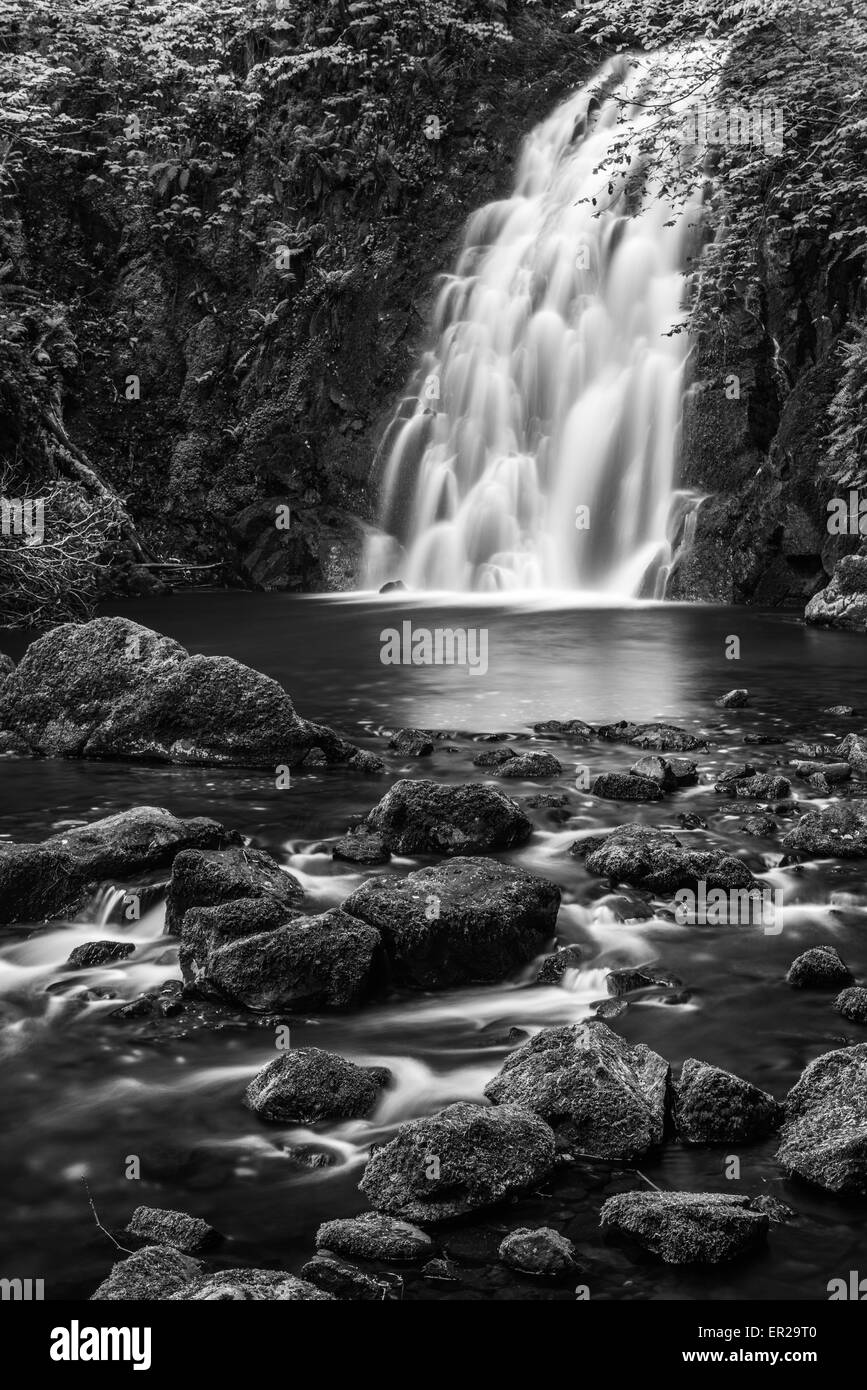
<point>256,1285</point>
<point>44,880</point>
<point>206,929</point>
<point>843,602</point>
<point>424,817</point>
<point>601,1096</point>
<point>824,1138</point>
<point>465,920</point>
<point>838,831</point>
<point>154,1273</point>
<point>330,961</point>
<point>111,688</point>
<point>375,1236</point>
<point>712,1106</point>
<point>204,878</point>
<point>463,1158</point>
<point>688,1227</point>
<point>307,1084</point>
<point>657,860</point>
<point>654,738</point>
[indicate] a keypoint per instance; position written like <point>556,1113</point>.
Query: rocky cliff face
<point>219,264</point>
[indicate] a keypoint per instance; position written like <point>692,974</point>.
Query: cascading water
<point>540,450</point>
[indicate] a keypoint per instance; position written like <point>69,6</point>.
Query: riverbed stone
<point>308,1084</point>
<point>156,1272</point>
<point>423,817</point>
<point>43,880</point>
<point>375,1236</point>
<point>342,1280</point>
<point>111,688</point>
<point>688,1227</point>
<point>656,737</point>
<point>463,1158</point>
<point>854,749</point>
<point>601,1096</point>
<point>712,1106</point>
<point>540,1251</point>
<point>159,1226</point>
<point>330,961</point>
<point>819,968</point>
<point>494,757</point>
<point>838,831</point>
<point>565,728</point>
<point>257,1285</point>
<point>361,846</point>
<point>468,919</point>
<point>208,878</point>
<point>529,765</point>
<point>206,929</point>
<point>91,954</point>
<point>669,773</point>
<point>824,1138</point>
<point>625,786</point>
<point>734,699</point>
<point>852,1004</point>
<point>657,860</point>
<point>412,743</point>
<point>765,786</point>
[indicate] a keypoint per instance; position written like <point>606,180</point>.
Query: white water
<point>556,381</point>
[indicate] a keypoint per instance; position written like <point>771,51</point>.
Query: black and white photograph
<point>433,671</point>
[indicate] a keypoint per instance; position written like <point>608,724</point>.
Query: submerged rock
<point>712,1106</point>
<point>343,1280</point>
<point>493,757</point>
<point>687,1227</point>
<point>361,846</point>
<point>852,1004</point>
<point>93,953</point>
<point>412,743</point>
<point>660,738</point>
<point>331,961</point>
<point>465,920</point>
<point>422,817</point>
<point>204,878</point>
<point>625,786</point>
<point>824,1138</point>
<point>156,1272</point>
<point>764,787</point>
<point>656,859</point>
<point>44,880</point>
<point>531,765</point>
<point>735,699</point>
<point>819,968</point>
<point>838,831</point>
<point>542,1251</point>
<point>307,1084</point>
<point>554,967</point>
<point>375,1236</point>
<point>605,1098</point>
<point>463,1158</point>
<point>186,1233</point>
<point>565,728</point>
<point>257,1285</point>
<point>670,773</point>
<point>110,688</point>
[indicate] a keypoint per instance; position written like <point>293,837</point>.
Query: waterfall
<point>539,450</point>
